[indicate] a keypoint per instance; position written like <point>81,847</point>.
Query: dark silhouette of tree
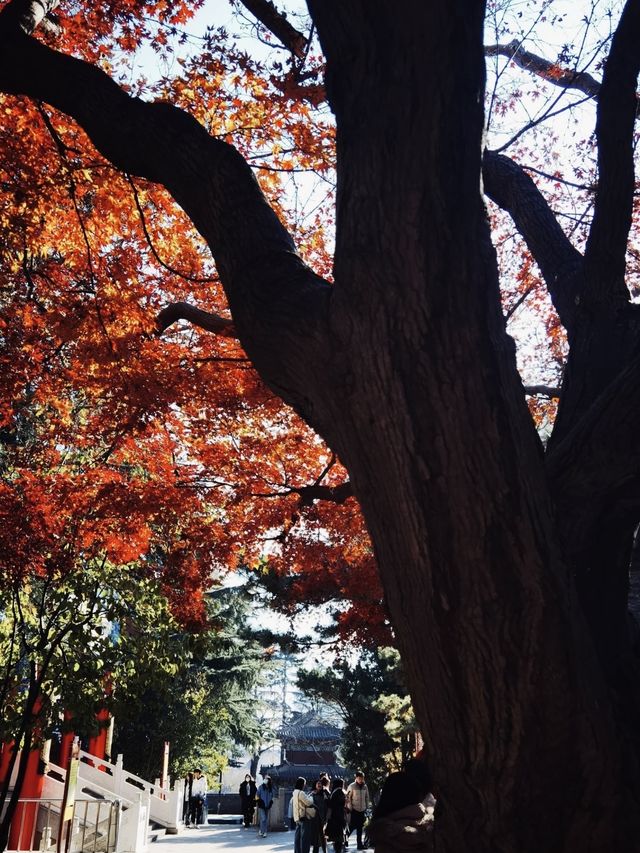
<point>504,567</point>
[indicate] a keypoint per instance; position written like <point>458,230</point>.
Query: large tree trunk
<point>442,453</point>
<point>405,367</point>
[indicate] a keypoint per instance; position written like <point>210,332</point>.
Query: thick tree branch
<point>276,22</point>
<point>28,15</point>
<point>157,141</point>
<point>204,319</point>
<point>617,109</point>
<point>318,492</point>
<point>508,185</point>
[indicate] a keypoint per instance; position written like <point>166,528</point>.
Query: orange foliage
<point>167,453</point>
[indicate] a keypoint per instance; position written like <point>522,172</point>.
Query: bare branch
<point>154,252</point>
<point>204,319</point>
<point>332,461</point>
<point>549,71</point>
<point>548,114</point>
<point>519,301</point>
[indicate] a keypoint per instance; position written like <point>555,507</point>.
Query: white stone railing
<point>95,826</point>
<point>139,801</point>
<point>164,805</point>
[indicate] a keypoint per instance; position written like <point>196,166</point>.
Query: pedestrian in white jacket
<point>199,790</point>
<point>303,813</point>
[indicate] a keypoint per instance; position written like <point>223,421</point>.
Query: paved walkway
<point>221,837</point>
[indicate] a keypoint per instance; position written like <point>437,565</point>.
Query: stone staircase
<point>115,811</point>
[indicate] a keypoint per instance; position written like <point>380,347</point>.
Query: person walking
<point>303,813</point>
<point>198,796</point>
<point>247,793</point>
<point>358,801</point>
<point>264,798</point>
<point>336,818</point>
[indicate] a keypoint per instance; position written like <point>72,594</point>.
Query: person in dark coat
<point>186,800</point>
<point>247,793</point>
<point>401,822</point>
<point>336,817</point>
<point>418,769</point>
<point>320,798</point>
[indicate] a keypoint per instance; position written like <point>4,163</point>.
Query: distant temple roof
<point>308,726</point>
<point>289,772</point>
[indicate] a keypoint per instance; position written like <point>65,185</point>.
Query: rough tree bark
<point>404,366</point>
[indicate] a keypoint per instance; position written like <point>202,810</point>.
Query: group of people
<point>329,815</point>
<point>330,811</point>
<point>402,822</point>
<point>195,796</point>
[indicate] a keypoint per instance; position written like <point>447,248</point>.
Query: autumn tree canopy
<point>108,403</point>
<point>504,562</point>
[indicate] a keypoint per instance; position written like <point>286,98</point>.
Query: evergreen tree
<point>356,691</point>
<point>209,706</point>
